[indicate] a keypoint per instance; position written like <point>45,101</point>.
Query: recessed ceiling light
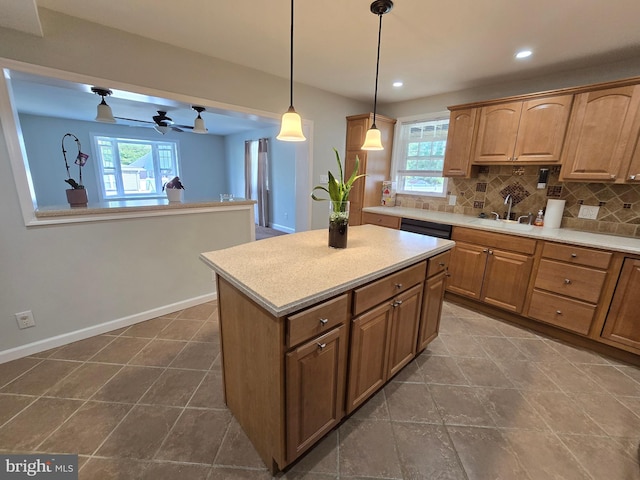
<point>397,84</point>
<point>524,54</point>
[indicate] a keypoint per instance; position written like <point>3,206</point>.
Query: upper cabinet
<point>602,136</point>
<point>457,157</point>
<point>530,131</point>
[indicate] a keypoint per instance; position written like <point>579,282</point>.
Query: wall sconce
<point>291,126</point>
<point>373,140</point>
<point>198,123</point>
<point>104,111</point>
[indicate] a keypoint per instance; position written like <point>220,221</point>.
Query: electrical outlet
<point>452,199</point>
<point>25,319</point>
<point>588,211</point>
<point>324,178</point>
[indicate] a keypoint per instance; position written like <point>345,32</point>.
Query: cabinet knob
<point>613,177</point>
<point>396,303</point>
<point>559,312</point>
<point>490,252</point>
<point>398,286</point>
<point>515,159</point>
<point>485,250</point>
<point>574,255</point>
<point>632,177</point>
<point>441,264</point>
<point>323,321</point>
<point>321,346</point>
<point>567,281</point>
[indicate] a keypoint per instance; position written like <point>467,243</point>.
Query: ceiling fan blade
<point>133,120</point>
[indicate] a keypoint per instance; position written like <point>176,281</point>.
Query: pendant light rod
<point>379,7</point>
<point>291,62</point>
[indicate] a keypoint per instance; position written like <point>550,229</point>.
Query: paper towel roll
<point>553,213</point>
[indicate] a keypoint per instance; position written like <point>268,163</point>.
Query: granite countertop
<point>132,206</point>
<point>287,273</point>
<point>561,235</point>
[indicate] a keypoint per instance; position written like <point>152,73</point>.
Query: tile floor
<point>486,400</point>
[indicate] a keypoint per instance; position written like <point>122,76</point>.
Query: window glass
<point>134,168</point>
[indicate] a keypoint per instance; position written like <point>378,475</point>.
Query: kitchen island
<point>309,333</point>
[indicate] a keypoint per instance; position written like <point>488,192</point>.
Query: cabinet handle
<point>490,252</point>
<point>485,250</point>
<point>398,286</point>
<point>632,177</point>
<point>515,159</point>
<point>323,321</point>
<point>613,177</point>
<point>396,303</point>
<point>567,281</point>
<point>559,312</point>
<point>574,255</point>
<point>441,264</point>
<point>321,346</point>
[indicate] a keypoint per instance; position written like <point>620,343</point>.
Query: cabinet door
<point>467,269</point>
<point>369,353</point>
<point>623,321</point>
<point>457,157</point>
<point>497,133</point>
<point>506,279</point>
<point>600,129</point>
<point>543,124</point>
<point>633,172</point>
<point>404,329</point>
<point>431,309</point>
<point>315,389</point>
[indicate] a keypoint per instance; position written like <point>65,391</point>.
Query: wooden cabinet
<point>490,267</point>
<point>530,131</point>
<point>622,324</point>
<point>384,333</point>
<point>457,157</point>
<point>603,131</point>
<point>437,272</point>
<point>568,285</point>
<point>367,191</point>
<point>388,221</point>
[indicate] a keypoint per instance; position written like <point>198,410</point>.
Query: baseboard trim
<point>66,338</point>
<point>282,228</point>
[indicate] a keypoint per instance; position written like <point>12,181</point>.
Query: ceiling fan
<point>161,123</point>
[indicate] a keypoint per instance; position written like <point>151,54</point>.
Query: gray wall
<point>202,157</point>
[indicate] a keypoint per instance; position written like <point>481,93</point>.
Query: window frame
<point>399,153</point>
<point>121,194</point>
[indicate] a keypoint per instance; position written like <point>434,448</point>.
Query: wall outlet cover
<point>25,319</point>
<point>452,199</point>
<point>589,212</point>
<point>324,178</point>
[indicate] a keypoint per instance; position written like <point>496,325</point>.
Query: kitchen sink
<point>504,224</point>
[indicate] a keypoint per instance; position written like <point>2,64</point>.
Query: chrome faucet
<point>496,214</point>
<point>508,200</point>
<point>528,217</point>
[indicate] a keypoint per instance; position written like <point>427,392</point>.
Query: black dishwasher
<point>423,227</point>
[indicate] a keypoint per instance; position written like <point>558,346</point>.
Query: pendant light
<point>104,111</point>
<point>291,126</point>
<point>198,123</point>
<point>373,140</point>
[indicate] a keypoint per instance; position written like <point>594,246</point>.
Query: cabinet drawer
<point>562,312</point>
<point>382,220</point>
<point>574,281</point>
<point>438,264</point>
<point>317,320</point>
<point>491,239</point>
<point>377,292</point>
<point>577,255</point>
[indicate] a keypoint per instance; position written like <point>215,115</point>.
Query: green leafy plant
<point>337,189</point>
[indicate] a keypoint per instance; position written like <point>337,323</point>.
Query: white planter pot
<point>174,194</point>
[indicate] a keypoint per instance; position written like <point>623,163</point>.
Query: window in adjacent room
<point>420,156</point>
<point>134,168</point>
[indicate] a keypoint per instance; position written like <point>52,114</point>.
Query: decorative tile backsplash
<point>619,204</point>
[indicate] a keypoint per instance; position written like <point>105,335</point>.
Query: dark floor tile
<point>441,370</point>
<point>611,415</point>
<point>174,387</point>
<point>511,330</point>
<point>436,347</point>
<point>198,312</point>
<point>527,375</point>
<point>426,452</point>
<point>31,426</point>
<point>613,380</point>
<point>485,454</point>
<point>210,393</point>
<point>121,350</point>
<point>83,349</point>
<point>86,429</point>
<point>175,471</point>
<point>322,458</point>
<point>410,373</point>
<point>128,385</point>
<point>112,469</point>
<point>509,409</point>
<point>411,402</point>
<point>569,378</point>
<point>375,408</point>
<point>208,332</point>
<point>197,355</point>
<point>158,353</point>
<point>602,457</point>
<point>10,405</point>
<point>451,324</point>
<point>632,372</point>
<point>41,377</point>
<point>225,473</point>
<point>367,449</point>
<point>141,432</point>
<point>479,325</point>
<point>196,437</point>
<point>483,372</point>
<point>463,346</point>
<point>11,370</point>
<point>560,412</point>
<point>84,381</point>
<point>460,406</point>
<point>147,329</point>
<point>575,354</point>
<point>237,450</point>
<point>181,330</point>
<point>502,349</point>
<point>537,350</point>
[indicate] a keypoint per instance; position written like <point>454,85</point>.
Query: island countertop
<point>287,273</point>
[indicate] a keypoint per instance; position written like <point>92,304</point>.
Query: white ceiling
<point>433,47</point>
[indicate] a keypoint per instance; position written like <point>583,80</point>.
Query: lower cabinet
<point>623,321</point>
<point>433,295</point>
<point>315,378</point>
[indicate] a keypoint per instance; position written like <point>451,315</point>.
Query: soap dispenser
<point>539,221</point>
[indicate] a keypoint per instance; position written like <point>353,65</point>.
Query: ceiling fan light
<point>291,127</point>
<point>104,113</point>
<point>373,140</point>
<point>198,125</point>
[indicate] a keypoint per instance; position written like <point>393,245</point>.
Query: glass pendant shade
<point>198,125</point>
<point>104,113</point>
<point>373,140</point>
<point>291,127</point>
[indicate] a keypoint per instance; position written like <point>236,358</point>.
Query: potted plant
<point>77,194</point>
<point>338,191</point>
<point>174,189</point>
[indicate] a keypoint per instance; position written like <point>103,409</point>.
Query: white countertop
<point>287,273</point>
<point>561,235</point>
